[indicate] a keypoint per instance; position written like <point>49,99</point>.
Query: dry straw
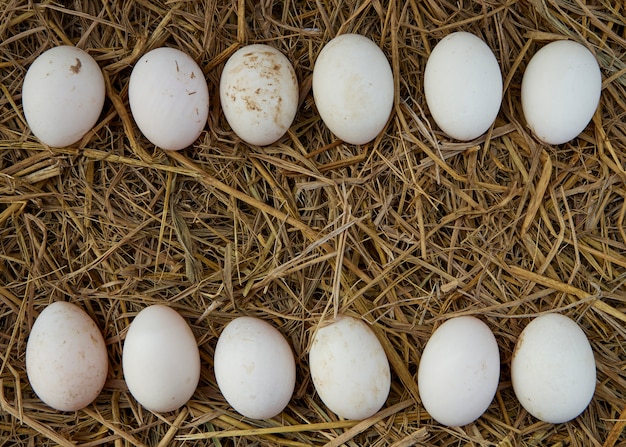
<point>404,232</point>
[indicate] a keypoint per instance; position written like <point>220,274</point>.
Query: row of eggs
<point>353,88</point>
<point>552,369</point>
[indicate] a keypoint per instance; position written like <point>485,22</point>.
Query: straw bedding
<point>404,232</point>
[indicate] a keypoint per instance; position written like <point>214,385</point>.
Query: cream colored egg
<point>353,88</point>
<point>463,86</point>
<point>259,94</point>
<point>254,368</point>
<point>349,368</point>
<point>553,369</point>
<point>63,95</point>
<point>66,357</point>
<point>169,98</point>
<point>160,359</point>
<point>459,371</point>
<point>561,90</point>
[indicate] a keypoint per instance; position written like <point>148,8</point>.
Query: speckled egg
<point>259,94</point>
<point>169,98</point>
<point>349,368</point>
<point>66,357</point>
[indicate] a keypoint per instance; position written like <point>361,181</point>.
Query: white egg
<point>553,370</point>
<point>259,94</point>
<point>254,368</point>
<point>63,95</point>
<point>160,359</point>
<point>560,91</point>
<point>169,98</point>
<point>459,371</point>
<point>66,357</point>
<point>349,368</point>
<point>463,86</point>
<point>353,88</point>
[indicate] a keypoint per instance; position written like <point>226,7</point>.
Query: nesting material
<point>403,232</point>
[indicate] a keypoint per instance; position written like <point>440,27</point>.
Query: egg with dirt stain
<point>553,370</point>
<point>259,94</point>
<point>169,98</point>
<point>63,95</point>
<point>353,88</point>
<point>349,368</point>
<point>66,357</point>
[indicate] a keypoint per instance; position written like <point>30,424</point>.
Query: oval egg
<point>254,368</point>
<point>553,370</point>
<point>463,86</point>
<point>349,368</point>
<point>63,95</point>
<point>66,357</point>
<point>459,371</point>
<point>561,90</point>
<point>160,359</point>
<point>353,88</point>
<point>259,94</point>
<point>169,98</point>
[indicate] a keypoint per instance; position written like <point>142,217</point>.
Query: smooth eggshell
<point>560,91</point>
<point>349,368</point>
<point>63,95</point>
<point>553,370</point>
<point>66,357</point>
<point>160,359</point>
<point>353,88</point>
<point>259,94</point>
<point>459,371</point>
<point>254,368</point>
<point>463,86</point>
<point>169,98</point>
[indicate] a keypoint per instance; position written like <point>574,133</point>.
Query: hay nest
<point>404,232</point>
